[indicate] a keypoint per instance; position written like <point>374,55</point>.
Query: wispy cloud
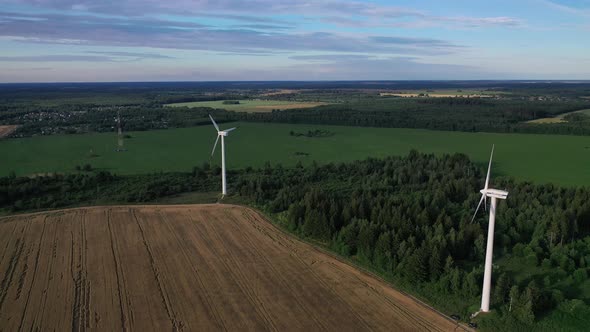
<point>332,57</point>
<point>56,58</point>
<point>132,55</point>
<point>263,27</point>
<point>261,11</point>
<point>90,30</point>
<point>579,8</point>
<point>343,67</point>
<point>96,56</point>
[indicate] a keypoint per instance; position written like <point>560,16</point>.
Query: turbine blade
<point>485,202</point>
<point>214,123</point>
<point>477,209</point>
<point>489,169</point>
<point>230,129</point>
<point>214,146</point>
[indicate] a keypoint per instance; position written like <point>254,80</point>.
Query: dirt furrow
<point>259,233</point>
<point>269,276</point>
<point>117,266</point>
<point>145,307</point>
<point>239,304</point>
<point>201,302</point>
<point>236,267</point>
<point>156,270</point>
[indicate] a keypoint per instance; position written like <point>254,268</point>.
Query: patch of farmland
<point>255,105</point>
<point>191,267</point>
<point>522,156</point>
<point>280,92</point>
<point>444,93</point>
<point>7,130</point>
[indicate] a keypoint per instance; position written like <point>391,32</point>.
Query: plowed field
<point>193,267</point>
<point>7,130</point>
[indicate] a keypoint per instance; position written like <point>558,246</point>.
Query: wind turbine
<point>222,134</point>
<point>494,194</point>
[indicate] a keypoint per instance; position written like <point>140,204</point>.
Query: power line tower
<point>120,146</point>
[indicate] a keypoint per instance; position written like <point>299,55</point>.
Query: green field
<point>542,158</point>
<point>559,118</point>
<point>249,105</point>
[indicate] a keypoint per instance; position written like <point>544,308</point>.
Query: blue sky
<point>207,40</point>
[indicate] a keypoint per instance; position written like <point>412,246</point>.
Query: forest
<point>81,108</point>
<point>450,114</point>
<point>406,218</point>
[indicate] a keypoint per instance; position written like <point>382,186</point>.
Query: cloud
<point>133,55</point>
<point>393,68</point>
<point>144,32</point>
<point>578,8</point>
<point>413,41</point>
<point>338,68</point>
<point>334,11</point>
<point>236,7</point>
<point>425,21</point>
<point>263,27</point>
<point>478,22</point>
<point>97,56</point>
<point>55,58</point>
<point>332,57</point>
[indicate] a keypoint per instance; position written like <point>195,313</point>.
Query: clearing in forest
<point>191,267</point>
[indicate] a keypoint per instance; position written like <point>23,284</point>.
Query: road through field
<point>192,268</point>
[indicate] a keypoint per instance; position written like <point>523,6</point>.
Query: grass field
<point>559,118</point>
<point>250,105</point>
<point>186,268</point>
<point>541,158</point>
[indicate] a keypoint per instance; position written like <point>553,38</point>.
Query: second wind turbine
<point>494,194</point>
<point>222,134</point>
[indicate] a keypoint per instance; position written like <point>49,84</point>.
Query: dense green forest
<point>452,114</point>
<point>407,219</point>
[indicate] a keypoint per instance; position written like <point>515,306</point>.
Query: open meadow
<point>542,158</point>
<point>193,268</point>
<point>250,105</point>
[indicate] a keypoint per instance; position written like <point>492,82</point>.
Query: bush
<point>580,275</point>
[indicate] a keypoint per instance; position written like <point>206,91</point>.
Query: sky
<point>232,40</point>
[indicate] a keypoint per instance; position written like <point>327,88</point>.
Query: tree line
<point>449,114</point>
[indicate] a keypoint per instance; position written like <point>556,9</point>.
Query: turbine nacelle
<point>501,194</point>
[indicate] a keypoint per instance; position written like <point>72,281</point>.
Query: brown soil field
<point>189,267</point>
<point>7,130</point>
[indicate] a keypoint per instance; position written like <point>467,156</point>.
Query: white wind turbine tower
<point>222,134</point>
<point>494,194</point>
